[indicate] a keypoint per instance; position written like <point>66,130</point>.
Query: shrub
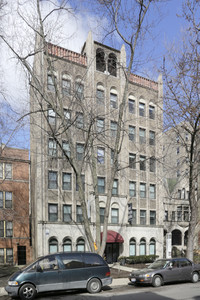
<point>137,259</point>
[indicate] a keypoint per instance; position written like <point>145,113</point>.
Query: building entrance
<point>112,252</point>
<point>21,255</point>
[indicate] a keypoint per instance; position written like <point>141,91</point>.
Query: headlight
<point>145,275</point>
<point>15,283</point>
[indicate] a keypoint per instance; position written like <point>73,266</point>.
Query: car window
<point>72,261</point>
<point>184,263</point>
<point>159,264</point>
<point>93,260</point>
<point>48,264</point>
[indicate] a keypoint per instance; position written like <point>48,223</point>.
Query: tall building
<point>78,105</point>
<point>14,206</point>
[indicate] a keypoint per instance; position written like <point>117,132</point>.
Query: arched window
<point>80,245</point>
<point>132,247</point>
<point>79,89</point>
<point>100,94</point>
<point>100,60</point>
<point>53,245</point>
<point>176,237</point>
<point>66,85</point>
<point>152,247</point>
<point>113,98</point>
<point>112,64</point>
<point>67,245</point>
<point>51,80</point>
<point>142,247</point>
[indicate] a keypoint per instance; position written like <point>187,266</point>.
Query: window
<point>52,180</point>
<point>131,106</point>
<point>79,214</point>
<point>142,163</point>
<point>67,115</point>
<point>132,188</point>
<point>53,212</point>
<point>82,182</point>
<point>115,187</point>
<point>113,100</point>
<point>132,161</point>
<point>142,136</point>
<point>79,120</point>
<point>132,247</point>
<point>8,199</point>
<point>141,109</point>
<point>80,246</point>
<point>152,247</point>
<point>1,228</point>
<point>142,217</point>
<point>152,217</point>
<point>79,89</point>
<point>152,164</point>
<point>52,149</point>
<point>51,83</point>
<point>114,215</point>
<point>134,217</point>
<point>5,199</point>
<point>177,150</point>
<point>1,255</point>
<point>66,86</point>
<point>112,64</point>
<point>100,125</point>
<point>131,133</point>
<point>8,171</point>
<point>53,248</point>
<point>152,191</point>
<point>100,96</point>
<point>102,213</point>
<point>151,112</point>
<point>173,216</point>
<point>9,229</point>
<point>142,247</point>
<point>67,213</point>
<point>179,213</point>
<point>142,190</point>
<point>79,151</point>
<point>67,245</point>
<point>51,117</point>
<point>152,138</point>
<point>100,60</point>
<point>101,155</point>
<point>67,181</point>
<point>101,185</point>
<point>113,128</point>
<point>166,215</point>
<point>66,149</point>
<point>186,216</point>
<point>9,256</point>
<point>179,194</point>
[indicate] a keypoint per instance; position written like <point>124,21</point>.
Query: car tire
<point>195,277</point>
<point>94,286</point>
<point>157,281</point>
<point>27,292</point>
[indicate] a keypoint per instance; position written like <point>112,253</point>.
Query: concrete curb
<point>3,292</point>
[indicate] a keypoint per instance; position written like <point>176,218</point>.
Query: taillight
<point>107,274</point>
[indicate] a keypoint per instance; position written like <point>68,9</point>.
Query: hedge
<point>137,259</point>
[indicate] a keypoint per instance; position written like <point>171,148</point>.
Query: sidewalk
<point>116,281</point>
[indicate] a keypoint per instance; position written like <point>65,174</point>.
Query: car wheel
<point>94,286</point>
<point>195,277</point>
<point>27,292</point>
<point>157,281</point>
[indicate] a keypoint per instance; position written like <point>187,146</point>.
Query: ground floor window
<point>142,247</point>
<point>53,245</point>
<point>132,247</point>
<point>67,245</point>
<point>6,255</point>
<point>80,245</point>
<point>152,247</point>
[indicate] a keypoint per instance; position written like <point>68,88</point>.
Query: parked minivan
<point>60,271</point>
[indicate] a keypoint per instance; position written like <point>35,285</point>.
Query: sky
<point>72,31</point>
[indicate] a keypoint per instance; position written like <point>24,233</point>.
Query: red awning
<point>113,237</point>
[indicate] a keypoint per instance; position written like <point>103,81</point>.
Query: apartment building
<point>14,206</point>
<point>176,183</point>
<point>87,89</point>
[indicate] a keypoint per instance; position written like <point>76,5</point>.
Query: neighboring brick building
<point>14,206</point>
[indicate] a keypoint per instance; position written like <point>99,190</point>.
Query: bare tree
<point>182,107</point>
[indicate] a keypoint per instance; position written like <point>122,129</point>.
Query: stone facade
<point>136,207</point>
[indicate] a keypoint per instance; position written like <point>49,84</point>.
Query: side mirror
<point>38,269</point>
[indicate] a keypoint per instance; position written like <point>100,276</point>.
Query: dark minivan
<point>60,271</point>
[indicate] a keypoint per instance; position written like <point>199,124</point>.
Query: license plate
<point>133,280</point>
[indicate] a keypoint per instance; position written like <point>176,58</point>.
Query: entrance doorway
<point>112,252</point>
<point>21,255</point>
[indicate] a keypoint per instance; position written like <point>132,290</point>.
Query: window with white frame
<point>53,245</point>
<point>131,105</point>
<point>52,180</point>
<point>1,255</point>
<point>79,214</point>
<point>5,199</point>
<point>132,188</point>
<point>79,151</point>
<point>134,217</point>
<point>101,185</point>
<point>5,171</point>
<point>100,95</point>
<point>101,156</point>
<point>102,214</point>
<point>100,125</point>
<point>132,247</point>
<point>79,89</point>
<point>51,117</point>
<point>132,161</point>
<point>152,247</point>
<point>151,112</point>
<point>79,120</point>
<point>82,182</point>
<point>142,190</point>
<point>113,129</point>
<point>52,147</point>
<point>113,99</point>
<point>53,212</point>
<point>114,215</point>
<point>66,85</point>
<point>115,187</point>
<point>67,213</point>
<point>141,109</point>
<point>51,81</point>
<point>142,247</point>
<point>9,228</point>
<point>152,217</point>
<point>66,149</point>
<point>67,181</point>
<point>142,163</point>
<point>151,138</point>
<point>152,191</point>
<point>131,133</point>
<point>152,164</point>
<point>142,136</point>
<point>67,245</point>
<point>9,256</point>
<point>80,245</point>
<point>142,217</point>
<point>67,115</point>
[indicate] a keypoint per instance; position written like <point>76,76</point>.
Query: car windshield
<point>159,264</point>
